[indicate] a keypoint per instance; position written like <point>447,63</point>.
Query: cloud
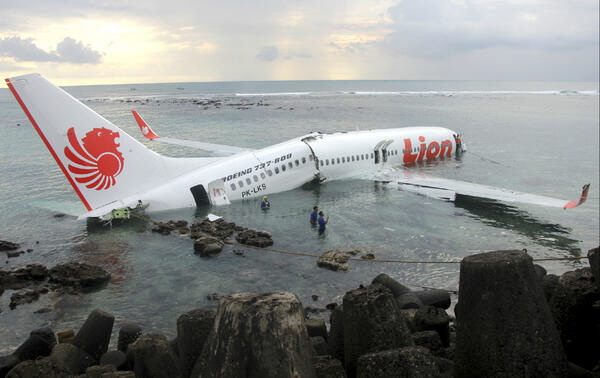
<point>69,50</point>
<point>443,28</point>
<point>268,53</point>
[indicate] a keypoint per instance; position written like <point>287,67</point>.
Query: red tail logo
<point>97,162</point>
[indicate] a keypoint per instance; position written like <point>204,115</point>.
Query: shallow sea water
<point>532,137</point>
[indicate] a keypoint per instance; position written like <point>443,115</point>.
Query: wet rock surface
<point>505,333</point>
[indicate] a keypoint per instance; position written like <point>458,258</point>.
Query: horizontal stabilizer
<point>406,179</point>
<point>215,149</point>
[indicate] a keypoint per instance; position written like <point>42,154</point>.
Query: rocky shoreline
<point>512,319</point>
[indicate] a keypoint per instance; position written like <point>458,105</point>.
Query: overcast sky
<point>126,41</point>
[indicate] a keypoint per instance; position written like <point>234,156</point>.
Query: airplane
<point>110,170</point>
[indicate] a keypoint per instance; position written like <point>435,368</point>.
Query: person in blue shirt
<point>314,216</point>
<point>322,222</point>
<point>265,204</point>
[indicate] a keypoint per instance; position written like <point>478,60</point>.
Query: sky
<point>77,42</point>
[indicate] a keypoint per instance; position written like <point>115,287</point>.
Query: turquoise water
<point>533,137</point>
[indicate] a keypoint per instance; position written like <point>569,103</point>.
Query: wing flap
<point>215,149</point>
<point>407,179</point>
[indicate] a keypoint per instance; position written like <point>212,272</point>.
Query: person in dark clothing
<point>265,204</point>
<point>314,216</point>
<point>322,222</point>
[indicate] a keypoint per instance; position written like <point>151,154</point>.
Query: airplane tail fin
<point>102,163</point>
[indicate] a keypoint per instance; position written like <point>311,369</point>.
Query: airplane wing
<point>442,188</point>
<point>215,149</point>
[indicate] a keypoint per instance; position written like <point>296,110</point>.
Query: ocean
<point>536,137</point>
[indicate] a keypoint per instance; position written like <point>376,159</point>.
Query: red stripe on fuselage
<point>52,152</point>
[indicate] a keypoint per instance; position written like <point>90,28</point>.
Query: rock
<point>40,368</point>
<point>504,325</point>
<point>98,371</point>
<point>20,298</point>
<point>402,362</point>
<point>333,260</point>
<point>316,327</point>
<point>115,358</point>
<point>8,246</point>
<point>94,335</point>
<point>34,347</point>
<point>13,254</point>
<point>218,229</point>
<point>65,336</point>
<point>319,345</point>
<point>429,318</point>
<point>408,300</point>
<point>45,333</point>
<point>435,297</point>
<point>580,327</point>
<point>395,287</point>
<point>593,256</point>
<point>193,328</point>
<point>81,276</point>
<point>254,238</point>
<point>265,332</point>
<point>69,359</point>
<point>372,323</point>
<point>540,271</point>
<point>430,340</point>
<point>328,367</point>
<point>207,246</point>
<point>7,363</point>
<point>128,333</point>
<point>335,338</point>
<point>153,357</point>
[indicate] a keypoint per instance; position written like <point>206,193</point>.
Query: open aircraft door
<point>217,194</point>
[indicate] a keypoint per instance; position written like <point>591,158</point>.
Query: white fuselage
<point>288,165</point>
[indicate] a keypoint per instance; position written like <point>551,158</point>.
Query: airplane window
<point>283,167</point>
<point>332,161</point>
<point>303,160</point>
<point>269,172</point>
<point>262,175</point>
<point>348,159</point>
<point>352,157</point>
<point>255,178</point>
<point>292,165</point>
<point>297,162</point>
<point>338,160</point>
<point>371,155</point>
<point>322,163</point>
<point>362,156</point>
<point>276,170</point>
<point>343,160</point>
<point>327,162</point>
<point>248,181</point>
<point>232,186</point>
<point>241,184</point>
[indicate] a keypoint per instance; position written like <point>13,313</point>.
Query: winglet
<point>146,130</point>
<point>584,193</point>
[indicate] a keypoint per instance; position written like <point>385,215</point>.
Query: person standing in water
<point>314,216</point>
<point>322,222</point>
<point>265,204</point>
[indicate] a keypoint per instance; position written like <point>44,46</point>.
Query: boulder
<point>328,367</point>
<point>412,361</point>
<point>254,238</point>
<point>35,346</point>
<point>504,325</point>
<point>7,363</point>
<point>429,318</point>
<point>128,333</point>
<point>8,246</point>
<point>333,260</point>
<point>40,368</point>
<point>153,358</point>
<point>94,335</point>
<point>77,275</point>
<point>430,340</point>
<point>395,287</point>
<point>335,338</point>
<point>265,332</point>
<point>593,256</point>
<point>98,371</point>
<point>69,359</point>
<point>206,246</point>
<point>115,358</point>
<point>434,297</point>
<point>319,345</point>
<point>372,323</point>
<point>193,328</point>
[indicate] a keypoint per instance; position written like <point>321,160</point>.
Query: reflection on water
<point>500,215</point>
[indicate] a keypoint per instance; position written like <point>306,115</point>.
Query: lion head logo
<point>97,161</point>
